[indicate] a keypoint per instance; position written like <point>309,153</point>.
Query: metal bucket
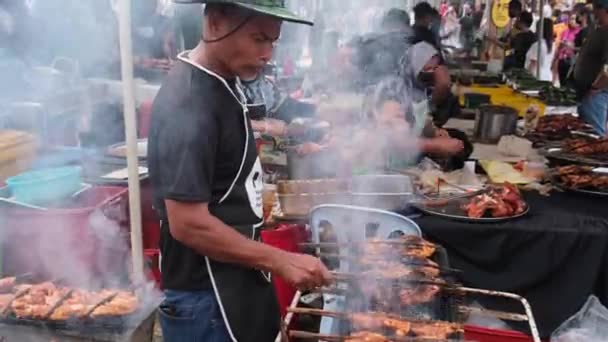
<point>494,122</point>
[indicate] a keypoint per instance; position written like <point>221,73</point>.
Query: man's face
<point>514,12</point>
<point>601,15</point>
<point>249,49</point>
<point>425,21</point>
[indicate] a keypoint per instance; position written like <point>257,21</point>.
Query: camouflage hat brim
<point>273,8</point>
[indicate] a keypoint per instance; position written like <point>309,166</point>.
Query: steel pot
<point>386,192</point>
<point>318,165</point>
<point>494,122</point>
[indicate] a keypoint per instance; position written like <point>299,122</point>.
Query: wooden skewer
<point>343,276</point>
<point>18,295</point>
<point>100,303</point>
<point>337,338</point>
<point>403,261</point>
<point>372,242</point>
<point>507,316</point>
<point>58,304</point>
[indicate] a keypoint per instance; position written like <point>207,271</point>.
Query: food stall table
<point>502,95</point>
<point>556,256</point>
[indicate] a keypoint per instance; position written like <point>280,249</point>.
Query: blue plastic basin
<point>45,185</point>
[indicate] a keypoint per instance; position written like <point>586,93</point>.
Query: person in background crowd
<point>424,17</point>
<point>154,35</point>
<point>189,19</point>
<point>207,182</point>
<point>565,50</point>
<point>591,72</point>
<point>443,8</point>
<point>515,10</point>
<point>548,9</point>
<point>520,43</point>
<point>583,18</point>
<point>467,30</point>
<point>546,53</point>
<point>377,55</point>
<point>391,103</point>
<point>450,36</point>
<point>270,109</point>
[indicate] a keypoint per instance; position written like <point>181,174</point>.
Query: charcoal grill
<point>352,225</point>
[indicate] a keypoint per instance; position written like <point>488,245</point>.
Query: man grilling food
<point>207,184</point>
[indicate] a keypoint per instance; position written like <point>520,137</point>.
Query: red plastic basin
<point>479,334</point>
<point>74,243</point>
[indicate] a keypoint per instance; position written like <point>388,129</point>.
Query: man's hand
<point>302,271</point>
<point>601,83</point>
<point>275,128</point>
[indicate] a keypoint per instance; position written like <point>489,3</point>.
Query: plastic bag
<point>590,324</point>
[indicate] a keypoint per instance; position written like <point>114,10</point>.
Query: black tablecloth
<point>556,256</point>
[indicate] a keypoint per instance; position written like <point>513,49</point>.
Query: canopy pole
<point>126,57</point>
<point>541,29</point>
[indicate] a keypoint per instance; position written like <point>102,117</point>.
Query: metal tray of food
<point>579,172</point>
<point>455,213</point>
<point>505,197</point>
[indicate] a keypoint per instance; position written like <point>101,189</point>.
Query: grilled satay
<point>418,295</point>
<point>404,268</point>
<point>366,336</point>
<point>435,330</point>
<point>421,251</point>
<point>37,303</point>
<point>124,303</point>
<point>377,321</point>
<point>79,304</point>
<point>5,299</point>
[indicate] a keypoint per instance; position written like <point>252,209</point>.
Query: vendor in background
<point>389,107</point>
<point>425,17</point>
<point>583,18</point>
<point>591,72</point>
<point>565,50</point>
<point>189,19</point>
<point>154,35</point>
<point>270,108</point>
<point>547,51</point>
<point>207,182</point>
<point>520,43</point>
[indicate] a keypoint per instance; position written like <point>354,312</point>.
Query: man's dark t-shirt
<point>591,59</point>
<point>424,34</point>
<point>520,44</point>
<point>195,149</point>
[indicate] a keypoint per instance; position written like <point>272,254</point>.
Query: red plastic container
<point>479,334</point>
<point>285,237</point>
<point>145,117</point>
<point>150,222</point>
<point>152,257</point>
<point>78,242</point>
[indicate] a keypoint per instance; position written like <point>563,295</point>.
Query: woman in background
<point>546,53</point>
<point>565,50</point>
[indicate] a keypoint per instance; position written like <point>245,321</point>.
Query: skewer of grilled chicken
<point>435,330</point>
<point>79,304</point>
<point>37,303</point>
<point>124,303</point>
<point>366,336</point>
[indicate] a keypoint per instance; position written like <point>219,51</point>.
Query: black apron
<point>246,297</point>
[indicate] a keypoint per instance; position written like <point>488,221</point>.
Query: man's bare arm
<point>193,225</point>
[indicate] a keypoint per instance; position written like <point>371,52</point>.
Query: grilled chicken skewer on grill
<point>402,327</point>
<point>80,304</point>
<point>39,301</point>
<point>124,303</point>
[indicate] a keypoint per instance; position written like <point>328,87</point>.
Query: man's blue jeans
<point>192,317</point>
<point>594,110</point>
